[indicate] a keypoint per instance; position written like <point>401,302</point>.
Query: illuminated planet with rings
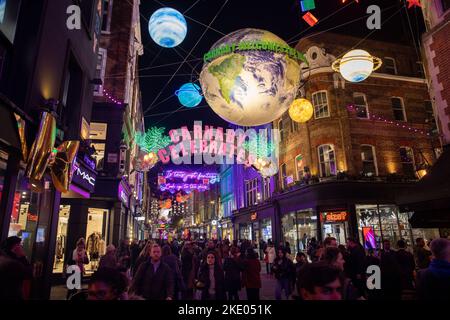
<point>167,27</point>
<point>189,95</point>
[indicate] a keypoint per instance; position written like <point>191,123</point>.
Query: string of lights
<point>111,98</point>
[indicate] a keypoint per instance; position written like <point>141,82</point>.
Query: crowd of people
<point>220,270</point>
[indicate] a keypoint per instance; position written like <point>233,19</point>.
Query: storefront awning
<point>9,133</point>
<point>429,198</point>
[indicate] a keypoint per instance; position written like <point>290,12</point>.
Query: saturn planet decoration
<point>301,110</point>
<point>167,27</point>
<point>356,65</point>
<point>189,95</point>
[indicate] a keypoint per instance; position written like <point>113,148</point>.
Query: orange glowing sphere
<point>301,110</point>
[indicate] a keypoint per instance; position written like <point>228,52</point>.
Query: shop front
<point>335,223</point>
<point>256,224</point>
<point>227,229</point>
<point>298,228</point>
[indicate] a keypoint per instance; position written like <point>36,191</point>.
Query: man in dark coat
<point>391,287</point>
<point>407,265</point>
<point>423,255</point>
<point>355,264</point>
<point>433,283</point>
<point>154,279</point>
<point>233,266</point>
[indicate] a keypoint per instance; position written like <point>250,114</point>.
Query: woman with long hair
<point>211,280</point>
<point>284,272</point>
<point>251,276</point>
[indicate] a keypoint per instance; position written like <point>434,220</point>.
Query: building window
<point>280,129</point>
<point>327,160</point>
<point>360,101</point>
<point>369,163</point>
<point>97,134</point>
<point>299,167</point>
<point>430,119</point>
<point>283,175</point>
<point>107,13</point>
<point>251,190</point>
<point>320,103</point>
<point>100,70</point>
<point>398,108</point>
<point>390,66</point>
<point>407,161</point>
<point>294,126</point>
<point>266,188</point>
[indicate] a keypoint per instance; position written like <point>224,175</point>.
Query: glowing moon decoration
<point>356,65</point>
<point>301,110</point>
<point>189,95</point>
<point>251,85</point>
<point>167,27</point>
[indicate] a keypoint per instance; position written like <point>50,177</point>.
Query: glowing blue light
<point>167,27</point>
<point>189,95</point>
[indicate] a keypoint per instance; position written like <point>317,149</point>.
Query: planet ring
<point>376,62</point>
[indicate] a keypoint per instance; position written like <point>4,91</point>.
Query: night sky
<point>282,17</point>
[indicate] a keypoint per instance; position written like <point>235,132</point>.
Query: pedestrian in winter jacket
<point>233,266</point>
<point>109,259</point>
<point>174,264</point>
<point>251,276</point>
<point>189,268</point>
<point>271,255</point>
<point>407,265</point>
<point>433,283</point>
<point>284,272</point>
<point>211,279</point>
<point>154,278</point>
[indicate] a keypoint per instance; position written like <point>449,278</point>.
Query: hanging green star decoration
<point>259,146</point>
<point>152,140</point>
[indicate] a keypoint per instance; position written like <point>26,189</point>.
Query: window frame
<point>325,162</point>
<point>98,92</point>
<point>413,160</point>
<point>283,182</point>
<point>394,63</point>
<point>266,188</point>
<point>251,190</point>
<point>297,169</point>
<point>366,106</point>
<point>108,16</point>
<point>319,106</point>
<point>374,154</point>
<point>280,128</point>
<point>405,119</point>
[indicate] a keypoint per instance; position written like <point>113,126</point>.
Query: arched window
<point>327,160</point>
<point>369,160</point>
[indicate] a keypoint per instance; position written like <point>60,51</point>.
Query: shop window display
<point>266,229</point>
<point>245,232</point>
<point>61,238</point>
<point>298,228</point>
<point>335,224</point>
<point>96,235</point>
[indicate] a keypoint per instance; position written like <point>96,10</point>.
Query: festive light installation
<point>189,95</point>
<point>111,98</point>
<point>310,19</point>
<point>343,1</point>
<point>356,65</point>
<point>187,187</point>
<point>307,5</point>
<point>212,177</point>
<point>414,3</point>
<point>152,140</point>
<point>167,27</point>
<point>301,110</point>
<point>144,161</point>
<point>402,125</point>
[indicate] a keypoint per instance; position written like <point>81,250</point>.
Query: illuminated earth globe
<point>250,88</point>
<point>167,27</point>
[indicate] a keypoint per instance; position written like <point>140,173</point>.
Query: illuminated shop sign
<point>84,177</point>
<point>335,216</point>
<point>123,194</point>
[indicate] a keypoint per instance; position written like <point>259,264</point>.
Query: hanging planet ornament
<point>189,95</point>
<point>301,110</point>
<point>167,27</point>
<point>356,65</point>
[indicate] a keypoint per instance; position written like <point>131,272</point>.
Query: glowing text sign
<point>185,176</point>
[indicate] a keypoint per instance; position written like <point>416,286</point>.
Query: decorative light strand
<point>111,98</point>
<point>402,125</point>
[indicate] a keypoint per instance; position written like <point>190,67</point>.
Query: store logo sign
<point>254,216</point>
<point>85,176</point>
<point>336,216</point>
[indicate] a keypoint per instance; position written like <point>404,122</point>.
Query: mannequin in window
<point>93,246</point>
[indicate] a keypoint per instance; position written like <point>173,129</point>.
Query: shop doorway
<point>96,235</point>
<point>336,230</point>
<point>61,239</point>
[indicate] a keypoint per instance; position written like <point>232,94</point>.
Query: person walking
<point>355,263</point>
<point>312,249</point>
<point>423,256</point>
<point>271,255</point>
<point>211,280</point>
<point>233,266</point>
<point>189,268</point>
<point>154,279</point>
<point>78,258</point>
<point>134,254</point>
<point>283,270</point>
<point>174,264</point>
<point>407,265</point>
<point>251,276</point>
<point>320,281</point>
<point>109,260</point>
<point>124,255</point>
<point>300,261</point>
<point>335,258</point>
<point>433,283</point>
<point>390,274</point>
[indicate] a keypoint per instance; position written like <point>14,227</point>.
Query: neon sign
<point>172,187</point>
<point>338,216</point>
<point>209,177</point>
